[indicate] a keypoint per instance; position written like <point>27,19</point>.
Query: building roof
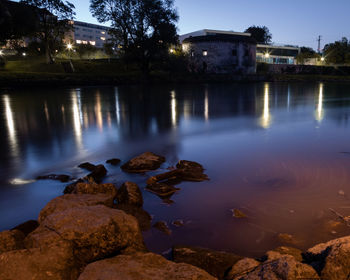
<point>221,38</point>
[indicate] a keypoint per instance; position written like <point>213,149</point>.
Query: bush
<point>2,62</point>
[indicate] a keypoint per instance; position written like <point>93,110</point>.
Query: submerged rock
<point>63,178</point>
<point>130,193</point>
<point>331,259</point>
<point>286,238</point>
<point>145,162</point>
<point>238,214</point>
<point>139,266</point>
<point>55,261</point>
<point>88,166</point>
<point>162,190</point>
<point>215,263</point>
<point>69,201</point>
<point>27,227</point>
<point>189,165</point>
<point>113,161</point>
<point>163,227</point>
<point>98,173</point>
<point>96,231</point>
<point>11,240</point>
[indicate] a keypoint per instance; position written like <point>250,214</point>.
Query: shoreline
<point>21,79</point>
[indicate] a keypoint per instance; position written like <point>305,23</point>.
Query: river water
<point>279,152</point>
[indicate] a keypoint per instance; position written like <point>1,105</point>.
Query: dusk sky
<point>297,22</point>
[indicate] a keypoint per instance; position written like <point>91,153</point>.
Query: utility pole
<point>319,43</point>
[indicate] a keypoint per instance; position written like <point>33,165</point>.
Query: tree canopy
<point>142,29</point>
<point>55,16</point>
<point>306,53</point>
<point>338,52</point>
<point>260,33</point>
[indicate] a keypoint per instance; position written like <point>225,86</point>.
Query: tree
<point>260,33</point>
<point>54,21</point>
<point>142,29</point>
<point>306,53</point>
<point>338,52</point>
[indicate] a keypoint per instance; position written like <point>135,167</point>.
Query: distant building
<point>88,33</point>
<point>273,54</point>
<point>216,51</point>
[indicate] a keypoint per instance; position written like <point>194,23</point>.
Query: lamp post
<point>69,48</point>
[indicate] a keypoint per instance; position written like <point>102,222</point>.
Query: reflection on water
<point>269,149</point>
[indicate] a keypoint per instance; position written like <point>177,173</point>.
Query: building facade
<point>88,33</point>
<point>273,54</point>
<point>222,52</point>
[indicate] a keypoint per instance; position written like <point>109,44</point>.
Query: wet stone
<point>145,162</point>
<point>238,214</point>
<point>98,173</point>
<point>113,161</point>
<point>162,190</point>
<point>88,166</point>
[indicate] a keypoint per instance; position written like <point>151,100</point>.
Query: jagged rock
<point>55,262</point>
<point>238,214</point>
<point>284,250</point>
<point>130,193</point>
<point>144,218</point>
<point>162,190</point>
<point>242,267</point>
<point>142,266</point>
<point>143,163</point>
<point>215,263</point>
<point>97,174</point>
<point>94,188</point>
<point>284,268</point>
<point>190,165</point>
<point>63,178</point>
<point>11,240</point>
<point>331,259</point>
<point>96,231</point>
<point>163,227</point>
<point>113,161</point>
<point>27,227</point>
<point>68,201</point>
<point>71,187</point>
<point>88,166</point>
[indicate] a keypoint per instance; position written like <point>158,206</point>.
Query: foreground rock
<point>63,178</point>
<point>88,166</point>
<point>284,268</point>
<point>97,174</point>
<point>96,231</point>
<point>130,193</point>
<point>27,227</point>
<point>214,262</point>
<point>143,217</point>
<point>69,201</point>
<point>55,262</point>
<point>145,162</point>
<point>142,266</point>
<point>242,267</point>
<point>331,259</point>
<point>113,161</point>
<point>11,240</point>
<point>283,250</point>
<point>94,188</point>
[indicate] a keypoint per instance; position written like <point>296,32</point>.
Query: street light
<point>1,52</point>
<point>24,54</point>
<point>322,58</point>
<point>69,46</point>
<point>267,55</point>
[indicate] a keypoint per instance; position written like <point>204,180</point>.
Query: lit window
<point>93,43</point>
<point>103,32</point>
<point>103,38</point>
<point>84,42</point>
<point>78,41</point>
<point>205,52</point>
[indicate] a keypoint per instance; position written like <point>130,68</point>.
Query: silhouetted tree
<point>142,29</point>
<point>54,22</point>
<point>260,33</point>
<point>305,53</point>
<point>338,52</point>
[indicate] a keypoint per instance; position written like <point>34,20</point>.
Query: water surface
<point>279,152</point>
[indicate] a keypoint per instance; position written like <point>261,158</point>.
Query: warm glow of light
<point>173,108</point>
<point>92,43</point>
<point>171,50</point>
<point>267,55</point>
<point>76,118</point>
<point>24,54</point>
<point>205,53</point>
<point>117,106</point>
<point>10,124</point>
<point>266,117</point>
<point>69,46</point>
<point>98,111</point>
<point>206,105</point>
<point>322,58</point>
<point>103,38</point>
<point>319,111</point>
<point>1,52</point>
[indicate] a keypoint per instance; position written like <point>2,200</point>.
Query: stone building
<point>222,52</point>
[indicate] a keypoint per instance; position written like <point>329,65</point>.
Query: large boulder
<point>142,266</point>
<point>143,217</point>
<point>284,250</point>
<point>145,162</point>
<point>69,201</point>
<point>214,262</point>
<point>11,240</point>
<point>130,193</point>
<point>284,268</point>
<point>54,262</point>
<point>96,231</point>
<point>332,259</point>
<point>94,188</point>
<point>242,267</point>
<point>27,227</point>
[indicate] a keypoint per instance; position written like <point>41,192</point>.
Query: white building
<point>88,33</point>
<point>274,54</point>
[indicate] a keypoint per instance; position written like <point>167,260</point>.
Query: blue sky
<point>297,22</point>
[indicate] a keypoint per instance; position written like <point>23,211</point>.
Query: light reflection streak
<point>76,120</point>
<point>206,106</point>
<point>11,125</point>
<point>320,111</point>
<point>173,108</point>
<point>98,111</point>
<point>117,105</point>
<point>265,121</point>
